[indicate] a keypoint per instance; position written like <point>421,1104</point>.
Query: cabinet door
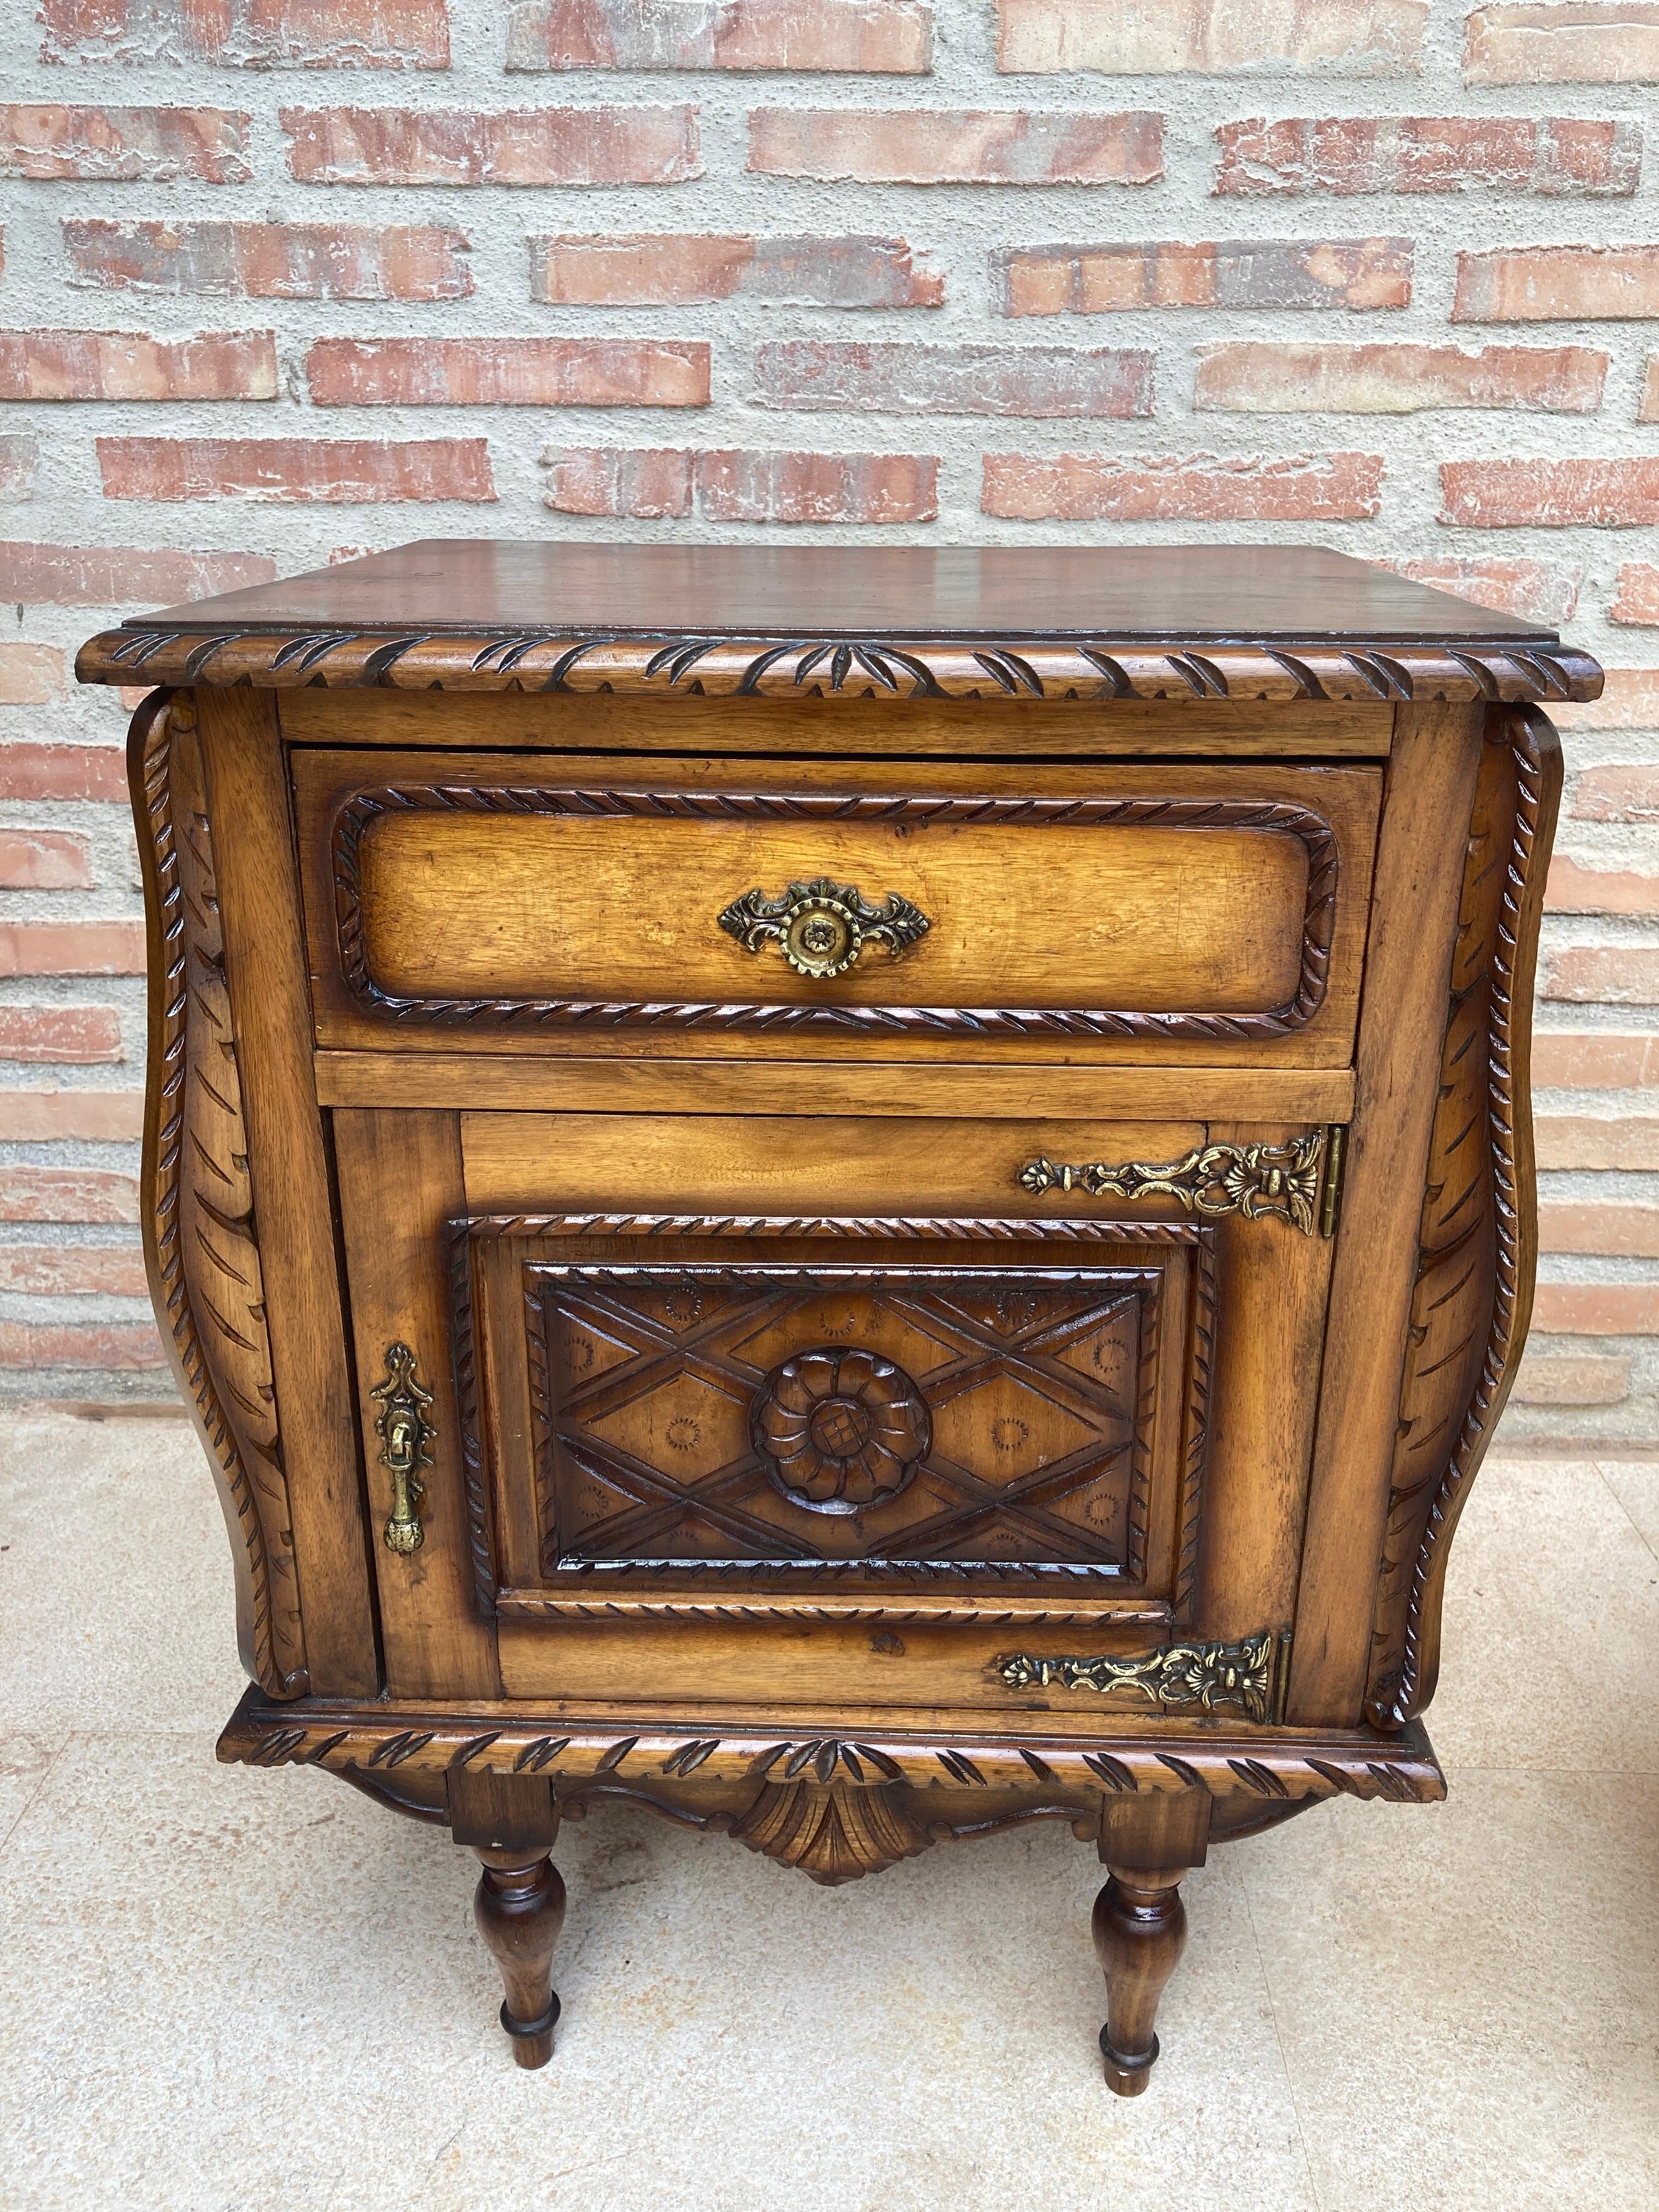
<point>714,1443</point>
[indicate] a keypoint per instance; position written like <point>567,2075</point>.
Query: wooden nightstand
<point>857,1195</point>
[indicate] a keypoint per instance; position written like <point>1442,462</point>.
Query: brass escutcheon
<point>822,927</point>
<point>406,1438</point>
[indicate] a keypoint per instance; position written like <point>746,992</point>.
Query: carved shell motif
<point>839,1429</point>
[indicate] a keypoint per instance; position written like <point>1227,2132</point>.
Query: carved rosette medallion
<point>839,1430</point>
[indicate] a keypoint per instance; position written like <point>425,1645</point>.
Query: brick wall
<point>284,281</point>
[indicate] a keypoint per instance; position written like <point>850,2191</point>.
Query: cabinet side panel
<point>265,970</point>
<point>201,1249</point>
<point>1415,896</point>
<point>1478,1239</point>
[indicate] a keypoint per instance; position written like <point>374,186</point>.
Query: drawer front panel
<point>464,893</point>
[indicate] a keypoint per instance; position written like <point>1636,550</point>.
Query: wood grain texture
<point>201,1245</point>
<point>893,622</point>
<point>1477,1241</point>
<point>1419,868</point>
<point>1179,902</point>
<point>265,971</point>
<point>400,1181</point>
<point>485,1082</point>
<point>590,721</point>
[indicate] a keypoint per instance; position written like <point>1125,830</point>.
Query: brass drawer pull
<point>1282,1180</point>
<point>1252,1674</point>
<point>821,927</point>
<point>406,1438</point>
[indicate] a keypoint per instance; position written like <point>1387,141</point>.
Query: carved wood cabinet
<point>859,1196</point>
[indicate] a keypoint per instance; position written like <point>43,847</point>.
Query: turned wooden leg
<point>510,1820</point>
<point>519,1910</point>
<point>1147,1842</point>
<point>1139,1934</point>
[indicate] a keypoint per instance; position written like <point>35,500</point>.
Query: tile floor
<point>235,1991</point>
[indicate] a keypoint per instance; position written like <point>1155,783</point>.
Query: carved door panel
<point>877,1411</point>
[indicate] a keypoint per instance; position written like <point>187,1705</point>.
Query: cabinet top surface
<point>834,591</point>
<point>495,614</point>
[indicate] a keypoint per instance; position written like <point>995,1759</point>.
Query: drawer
<point>734,1401</point>
<point>1207,912</point>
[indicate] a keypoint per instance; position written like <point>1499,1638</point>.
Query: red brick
<point>1580,42</point>
<point>936,146</point>
<point>345,470</point>
<point>786,487</point>
<point>84,1035</point>
<point>1552,156</point>
<point>20,458</point>
<point>1636,605</point>
<point>664,270</point>
<point>270,260</point>
<point>132,1347</point>
<point>104,145</point>
<point>1160,38</point>
<point>1617,794</point>
<point>1597,1059</point>
<point>1596,1309</point>
<point>1629,1144</point>
<point>507,372</point>
<point>650,484</point>
<point>1287,272</point>
<point>1605,975</point>
<point>71,948</point>
<point>1575,889</point>
<point>50,1116</point>
<point>30,675</point>
<point>1557,284</point>
<point>1170,487</point>
<point>464,146</point>
<point>1628,701</point>
<point>36,771</point>
<point>44,861</point>
<point>1621,1230</point>
<point>1535,590</point>
<point>68,1195</point>
<point>249,34</point>
<point>893,36</point>
<point>1567,1379</point>
<point>895,379</point>
<point>128,365</point>
<point>1648,411</point>
<point>121,576</point>
<point>762,486</point>
<point>68,1271</point>
<point>1260,378</point>
<point>1518,494</point>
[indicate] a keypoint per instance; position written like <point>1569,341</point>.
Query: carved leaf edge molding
<point>180,942</point>
<point>491,1599</point>
<point>360,813</point>
<point>1401,1767</point>
<point>679,666</point>
<point>1402,1673</point>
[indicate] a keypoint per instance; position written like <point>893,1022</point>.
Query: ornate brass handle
<point>406,1438</point>
<point>821,927</point>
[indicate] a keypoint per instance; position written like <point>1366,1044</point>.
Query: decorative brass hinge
<point>406,1438</point>
<point>1252,1675</point>
<point>821,927</point>
<point>1254,1180</point>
